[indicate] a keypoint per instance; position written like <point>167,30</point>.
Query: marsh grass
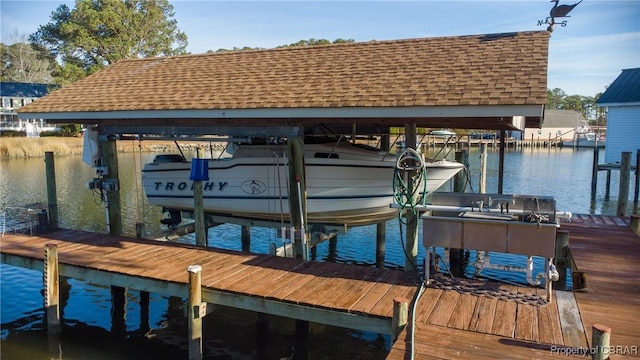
<point>22,147</point>
<point>12,147</point>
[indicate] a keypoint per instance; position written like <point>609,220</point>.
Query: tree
<point>22,63</point>
<point>309,42</point>
<point>313,41</point>
<point>554,98</point>
<point>98,33</point>
<point>557,99</point>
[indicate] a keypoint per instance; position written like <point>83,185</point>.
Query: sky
<point>600,39</point>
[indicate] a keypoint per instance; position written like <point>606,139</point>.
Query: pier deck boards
<point>610,256</point>
<point>335,294</point>
<point>450,324</point>
<point>602,246</point>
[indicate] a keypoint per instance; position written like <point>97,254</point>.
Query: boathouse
<point>490,81</point>
<point>558,125</point>
<point>622,100</point>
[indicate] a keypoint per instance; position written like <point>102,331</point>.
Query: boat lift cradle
<point>515,224</point>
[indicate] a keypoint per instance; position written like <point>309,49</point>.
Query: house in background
<point>558,126</point>
<point>622,100</point>
<point>15,95</point>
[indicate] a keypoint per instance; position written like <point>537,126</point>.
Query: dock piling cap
<point>194,268</point>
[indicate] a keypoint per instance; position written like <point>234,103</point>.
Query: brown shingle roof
<point>497,69</point>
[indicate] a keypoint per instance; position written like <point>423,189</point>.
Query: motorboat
<point>346,183</point>
<point>586,140</point>
<point>584,137</point>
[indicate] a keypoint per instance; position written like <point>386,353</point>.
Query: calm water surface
<point>90,332</point>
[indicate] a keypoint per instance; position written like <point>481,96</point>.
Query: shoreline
<point>23,147</point>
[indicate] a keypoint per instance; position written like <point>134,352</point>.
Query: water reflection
<point>154,327</point>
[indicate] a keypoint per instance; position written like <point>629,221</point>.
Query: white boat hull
<point>584,143</point>
<point>339,191</point>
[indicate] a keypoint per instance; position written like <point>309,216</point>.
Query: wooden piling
<point>144,312</point>
<point>109,159</point>
<point>140,231</point>
<point>381,229</point>
<point>262,335</point>
<point>600,340</point>
<point>51,289</point>
<point>501,162</point>
<point>118,311</point>
<point>460,181</point>
<point>594,174</point>
<point>635,223</point>
<point>301,350</point>
<point>636,192</point>
<point>411,243</point>
<point>195,313</point>
<point>483,168</point>
<point>623,192</point>
<point>297,189</point>
<point>400,316</point>
<point>607,186</point>
<point>246,238</point>
<point>456,258</point>
<point>198,204</point>
<point>561,258</point>
<point>52,198</point>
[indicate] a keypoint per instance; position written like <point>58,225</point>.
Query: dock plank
<point>443,311</point>
<point>526,322</point>
<point>463,312</point>
<point>572,329</point>
<point>483,315</point>
<point>504,319</point>
<point>384,307</point>
<point>383,283</point>
<point>427,303</point>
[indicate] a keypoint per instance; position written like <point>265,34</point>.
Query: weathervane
<point>557,12</point>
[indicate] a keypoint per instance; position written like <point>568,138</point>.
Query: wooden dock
<point>455,319</point>
<point>452,324</point>
<point>327,293</point>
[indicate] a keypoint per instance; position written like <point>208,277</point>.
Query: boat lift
<point>515,224</point>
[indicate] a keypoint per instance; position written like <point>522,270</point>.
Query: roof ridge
<point>490,36</point>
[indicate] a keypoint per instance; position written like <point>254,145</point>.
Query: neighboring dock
<point>455,319</point>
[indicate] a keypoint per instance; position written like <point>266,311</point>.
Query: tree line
<point>95,34</point>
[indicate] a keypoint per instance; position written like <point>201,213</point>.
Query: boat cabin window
<point>326,155</point>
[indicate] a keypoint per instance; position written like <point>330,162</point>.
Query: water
<point>89,330</point>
